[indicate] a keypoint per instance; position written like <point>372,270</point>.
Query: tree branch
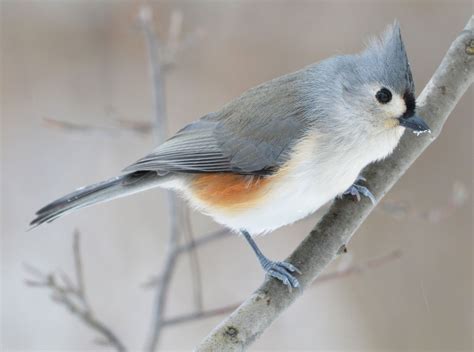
<point>335,229</point>
<point>119,125</point>
<point>146,23</point>
<point>223,233</point>
<point>73,296</point>
<point>338,274</point>
<point>194,265</point>
<point>159,56</point>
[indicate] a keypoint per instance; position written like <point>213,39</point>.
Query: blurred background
<point>77,106</point>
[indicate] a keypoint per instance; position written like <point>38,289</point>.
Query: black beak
<point>416,123</point>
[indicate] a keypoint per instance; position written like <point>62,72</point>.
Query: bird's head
<point>377,86</point>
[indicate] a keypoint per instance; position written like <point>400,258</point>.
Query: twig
<point>194,265</point>
<point>79,127</point>
<point>78,268</point>
<point>224,233</point>
<point>178,216</point>
<point>153,45</point>
<point>145,18</point>
<point>189,247</point>
<point>338,274</point>
<point>400,209</point>
<point>73,296</point>
<point>175,44</point>
<point>165,276</point>
<point>450,81</point>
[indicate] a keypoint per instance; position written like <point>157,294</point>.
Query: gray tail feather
<point>100,192</point>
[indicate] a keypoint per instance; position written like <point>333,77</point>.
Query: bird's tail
<point>117,187</point>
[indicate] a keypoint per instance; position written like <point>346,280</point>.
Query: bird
<point>282,149</point>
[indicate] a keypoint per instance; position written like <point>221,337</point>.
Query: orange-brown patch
<point>229,191</point>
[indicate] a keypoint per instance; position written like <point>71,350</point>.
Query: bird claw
<point>282,271</point>
<point>357,190</point>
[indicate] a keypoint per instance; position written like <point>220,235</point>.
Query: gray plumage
<point>255,134</point>
<point>252,135</point>
<point>113,188</point>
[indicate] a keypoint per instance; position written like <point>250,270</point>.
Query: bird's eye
<point>384,95</point>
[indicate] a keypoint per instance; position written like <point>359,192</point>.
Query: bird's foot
<point>281,271</point>
<point>356,190</point>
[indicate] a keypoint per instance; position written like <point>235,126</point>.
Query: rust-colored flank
<point>229,191</point>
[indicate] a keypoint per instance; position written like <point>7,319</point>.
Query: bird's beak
<point>416,123</point>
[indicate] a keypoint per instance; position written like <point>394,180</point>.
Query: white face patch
<point>394,108</point>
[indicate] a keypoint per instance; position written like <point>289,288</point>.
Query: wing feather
<point>253,135</point>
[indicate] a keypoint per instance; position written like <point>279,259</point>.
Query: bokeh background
<point>85,63</point>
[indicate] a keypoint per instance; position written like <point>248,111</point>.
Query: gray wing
<point>252,135</point>
<point>193,149</point>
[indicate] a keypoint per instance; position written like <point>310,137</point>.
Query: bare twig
<point>73,296</point>
<point>401,209</point>
<point>145,18</point>
<point>450,81</point>
<point>187,247</point>
<point>120,125</point>
<point>224,233</point>
<point>338,274</point>
<point>179,217</point>
<point>194,264</point>
<point>165,275</point>
<point>78,268</point>
<point>153,45</point>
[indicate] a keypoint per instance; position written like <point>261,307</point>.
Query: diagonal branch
<point>448,84</point>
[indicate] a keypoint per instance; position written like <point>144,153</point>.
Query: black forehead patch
<point>410,103</point>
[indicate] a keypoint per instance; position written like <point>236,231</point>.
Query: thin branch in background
<point>216,235</point>
<point>175,44</point>
<point>165,276</point>
<point>73,296</point>
<point>194,265</point>
<point>69,126</point>
<point>400,209</point>
<point>78,268</point>
<point>138,127</point>
<point>145,18</point>
<point>458,198</point>
<point>188,247</point>
<point>338,274</point>
<point>179,216</point>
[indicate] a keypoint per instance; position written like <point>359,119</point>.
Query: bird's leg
<point>356,190</point>
<point>279,270</point>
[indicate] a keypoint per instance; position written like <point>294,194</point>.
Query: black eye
<point>384,95</point>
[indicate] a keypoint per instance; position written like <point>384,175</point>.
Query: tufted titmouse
<point>282,149</point>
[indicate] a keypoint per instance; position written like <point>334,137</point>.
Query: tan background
<point>85,62</point>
